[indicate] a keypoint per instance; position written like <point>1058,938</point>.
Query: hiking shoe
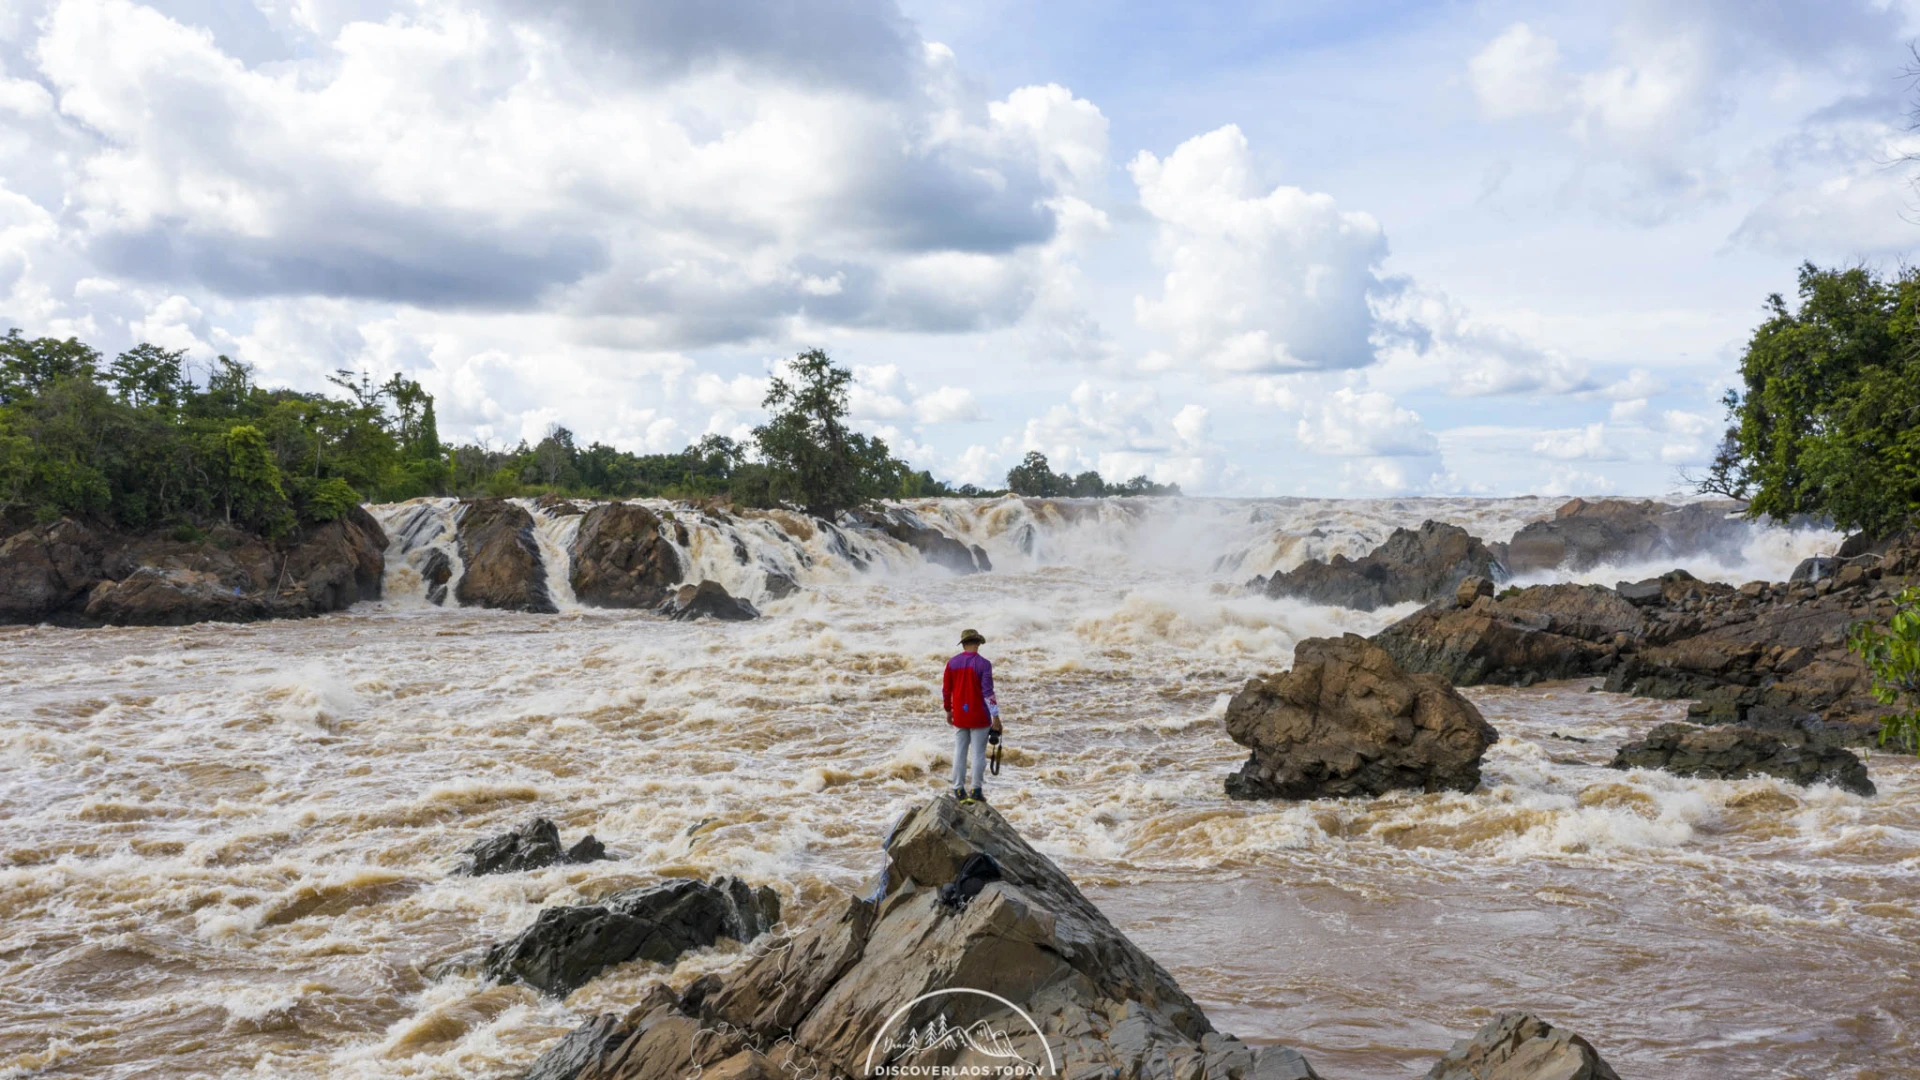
<point>977,796</point>
<point>960,794</point>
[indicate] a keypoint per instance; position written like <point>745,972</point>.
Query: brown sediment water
<point>226,848</point>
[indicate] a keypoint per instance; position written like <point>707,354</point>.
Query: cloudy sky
<point>1324,247</point>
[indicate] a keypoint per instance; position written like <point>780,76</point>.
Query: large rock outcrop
<point>933,545</point>
<point>532,846</point>
<point>1420,565</point>
<point>502,559</point>
<point>1542,632</point>
<point>1346,720</point>
<point>1733,752</point>
<point>1586,533</point>
<point>1521,1046</point>
<point>622,558</point>
<point>567,946</point>
<point>70,572</point>
<point>902,980</point>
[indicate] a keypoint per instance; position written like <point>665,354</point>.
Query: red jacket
<point>967,691</point>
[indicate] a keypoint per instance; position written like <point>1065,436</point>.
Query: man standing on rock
<point>967,693</point>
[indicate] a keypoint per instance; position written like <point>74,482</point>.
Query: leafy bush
<point>1893,654</point>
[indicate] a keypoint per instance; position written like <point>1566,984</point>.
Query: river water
<point>225,849</point>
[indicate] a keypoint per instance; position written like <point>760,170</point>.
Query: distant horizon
<point>1413,250</point>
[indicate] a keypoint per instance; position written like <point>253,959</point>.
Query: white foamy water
<point>226,847</point>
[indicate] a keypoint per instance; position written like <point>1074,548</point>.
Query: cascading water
<point>228,847</point>
<point>422,546</point>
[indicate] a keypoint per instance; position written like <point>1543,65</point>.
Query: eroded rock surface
<point>1586,533</point>
<point>1346,721</point>
<point>622,558</point>
<point>707,600</point>
<point>1521,1046</point>
<point>1733,752</point>
<point>567,946</point>
<point>502,559</point>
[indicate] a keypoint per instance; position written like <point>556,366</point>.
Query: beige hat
<point>971,637</point>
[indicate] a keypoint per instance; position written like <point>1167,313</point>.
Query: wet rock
<point>933,545</point>
<point>502,559</point>
<point>1813,569</point>
<point>162,596</point>
<point>1584,534</point>
<point>529,847</point>
<point>567,947</point>
<point>334,565</point>
<point>707,600</point>
<point>1521,1046</point>
<point>435,571</point>
<point>779,586</point>
<point>46,568</point>
<point>1346,721</point>
<point>1542,632</point>
<point>622,558</point>
<point>1421,565</point>
<point>1732,752</point>
<point>818,1001</point>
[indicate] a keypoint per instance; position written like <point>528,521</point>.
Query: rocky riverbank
<point>75,574</point>
<point>1017,975</point>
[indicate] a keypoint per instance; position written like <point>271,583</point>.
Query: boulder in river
<point>707,600</point>
<point>530,847</point>
<point>1586,533</point>
<point>502,559</point>
<point>622,558</point>
<point>1420,565</point>
<point>1521,1046</point>
<point>1346,721</point>
<point>903,981</point>
<point>567,946</point>
<point>1541,632</point>
<point>1732,752</point>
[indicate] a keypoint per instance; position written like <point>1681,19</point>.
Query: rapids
<point>225,848</point>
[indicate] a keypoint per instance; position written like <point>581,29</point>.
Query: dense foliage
<point>1033,476</point>
<point>1893,654</point>
<point>138,442</point>
<point>1828,420</point>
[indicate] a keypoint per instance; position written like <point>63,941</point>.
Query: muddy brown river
<point>224,850</point>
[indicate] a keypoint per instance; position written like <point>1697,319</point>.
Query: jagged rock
<point>1521,1046</point>
<point>707,600</point>
<point>1731,752</point>
<point>435,571</point>
<point>46,568</point>
<point>160,596</point>
<point>336,564</point>
<point>1542,632</point>
<point>529,847</point>
<point>622,559</point>
<point>502,559</point>
<point>567,946</point>
<point>1346,720</point>
<point>816,1002</point>
<point>1421,564</point>
<point>1584,534</point>
<point>933,545</point>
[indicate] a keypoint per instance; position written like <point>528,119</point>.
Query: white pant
<point>963,739</point>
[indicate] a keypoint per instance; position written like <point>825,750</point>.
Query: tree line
<point>142,440</point>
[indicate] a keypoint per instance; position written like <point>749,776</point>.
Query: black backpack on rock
<point>973,876</point>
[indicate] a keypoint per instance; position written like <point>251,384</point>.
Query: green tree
<point>1893,655</point>
<point>1827,422</point>
<point>1033,477</point>
<point>28,366</point>
<point>812,458</point>
<point>254,495</point>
